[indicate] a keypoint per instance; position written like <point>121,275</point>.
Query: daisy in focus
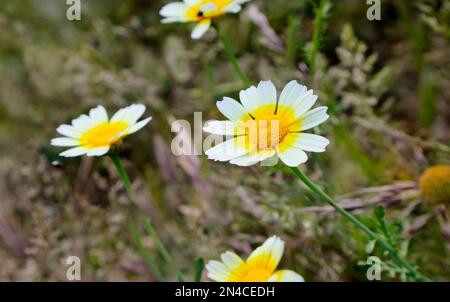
<point>264,127</point>
<point>200,11</point>
<point>95,134</point>
<point>259,267</point>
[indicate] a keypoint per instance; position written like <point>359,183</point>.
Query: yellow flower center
<point>102,135</point>
<point>197,12</point>
<point>434,184</point>
<point>268,129</point>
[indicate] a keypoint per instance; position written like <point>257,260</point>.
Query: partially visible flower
<point>94,134</point>
<point>434,184</point>
<point>264,126</point>
<point>200,11</point>
<point>259,267</point>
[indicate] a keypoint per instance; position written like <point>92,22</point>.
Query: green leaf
<point>199,266</point>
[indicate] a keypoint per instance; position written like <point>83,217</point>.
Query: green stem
<point>124,176</point>
<point>371,234</point>
<point>232,58</point>
<point>146,223</point>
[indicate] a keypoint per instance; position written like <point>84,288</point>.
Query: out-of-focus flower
<point>264,127</point>
<point>434,184</point>
<point>94,134</point>
<point>259,267</point>
<point>200,11</point>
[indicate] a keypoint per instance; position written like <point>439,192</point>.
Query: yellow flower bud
<point>434,184</point>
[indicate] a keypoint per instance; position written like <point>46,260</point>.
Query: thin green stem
<point>371,234</point>
<point>232,58</point>
<point>319,21</point>
<point>162,248</point>
<point>146,223</point>
<point>151,263</point>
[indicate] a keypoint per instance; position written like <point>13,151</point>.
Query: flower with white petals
<point>259,267</point>
<point>200,11</point>
<point>264,126</point>
<point>95,134</point>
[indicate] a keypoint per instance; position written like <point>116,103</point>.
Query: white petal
<point>249,160</point>
<point>314,118</point>
<point>221,128</point>
<point>231,260</point>
<point>268,255</point>
<point>83,123</point>
<point>98,114</point>
<point>173,9</point>
<point>77,151</point>
<point>200,29</point>
<point>129,114</point>
<point>304,103</point>
<point>249,98</point>
<point>291,94</point>
<point>217,271</point>
<point>138,126</point>
<point>64,142</point>
<point>69,131</point>
<point>267,93</point>
<point>232,8</point>
<point>293,157</point>
<point>174,19</point>
<point>286,276</point>
<point>227,150</point>
<point>98,151</point>
<point>231,109</point>
<point>311,142</point>
<point>191,2</point>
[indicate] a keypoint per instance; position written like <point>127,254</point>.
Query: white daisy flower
<point>264,126</point>
<point>259,267</point>
<point>94,134</point>
<point>200,11</point>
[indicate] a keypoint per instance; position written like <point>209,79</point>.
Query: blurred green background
<point>386,83</point>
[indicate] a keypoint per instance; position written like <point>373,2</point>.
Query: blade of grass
<point>151,263</point>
